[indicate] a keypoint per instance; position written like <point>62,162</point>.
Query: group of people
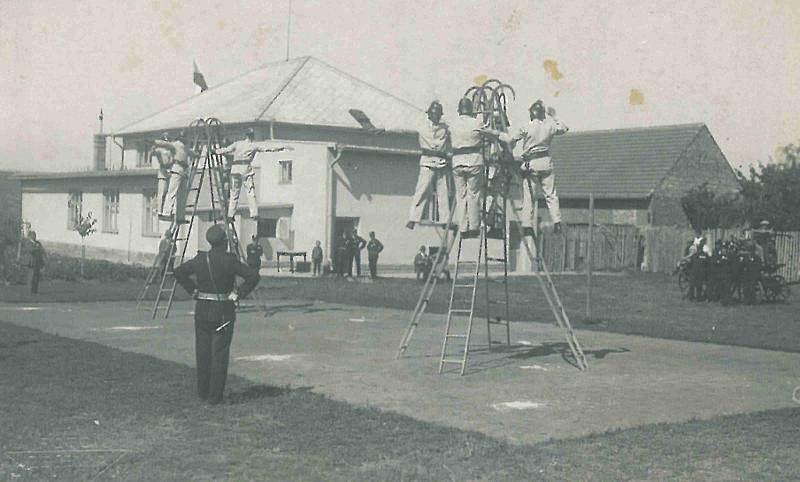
<point>732,269</point>
<point>451,156</point>
<point>173,156</point>
<point>348,254</point>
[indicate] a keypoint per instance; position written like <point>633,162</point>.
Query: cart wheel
<point>782,288</point>
<point>683,282</point>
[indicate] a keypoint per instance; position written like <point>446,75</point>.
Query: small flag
<point>199,80</point>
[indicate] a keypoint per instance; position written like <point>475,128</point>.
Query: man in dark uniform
<point>254,252</point>
<point>215,290</point>
<point>374,248</point>
<point>358,244</point>
<point>36,257</point>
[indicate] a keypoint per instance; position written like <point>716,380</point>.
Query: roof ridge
<point>696,125</point>
<point>187,99</point>
<point>351,76</point>
<point>284,85</point>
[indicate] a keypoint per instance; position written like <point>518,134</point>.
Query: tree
<point>772,192</point>
<point>85,227</point>
<point>706,209</point>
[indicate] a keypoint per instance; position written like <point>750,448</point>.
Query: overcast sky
<point>603,65</point>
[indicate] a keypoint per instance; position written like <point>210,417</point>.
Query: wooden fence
<point>619,247</point>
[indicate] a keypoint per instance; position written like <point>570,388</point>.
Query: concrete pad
<point>524,393</point>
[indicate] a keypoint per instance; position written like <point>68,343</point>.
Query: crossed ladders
<point>207,167</point>
<point>490,101</point>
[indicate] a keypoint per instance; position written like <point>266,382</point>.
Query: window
<point>150,214</point>
<point>286,172</point>
<point>267,228</point>
<point>110,210</point>
<point>74,209</point>
<point>143,153</point>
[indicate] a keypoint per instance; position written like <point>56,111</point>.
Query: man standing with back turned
<point>537,166</point>
<point>214,289</point>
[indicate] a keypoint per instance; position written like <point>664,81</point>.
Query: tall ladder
<point>461,309</point>
<point>446,242</point>
<point>549,289</point>
<point>209,166</point>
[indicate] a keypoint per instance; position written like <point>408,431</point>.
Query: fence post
<point>589,258</point>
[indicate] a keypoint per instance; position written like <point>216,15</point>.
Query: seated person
<point>422,264</point>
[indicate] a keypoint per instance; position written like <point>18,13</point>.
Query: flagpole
<point>288,30</point>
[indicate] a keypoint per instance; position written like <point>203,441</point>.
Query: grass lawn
<point>73,409</point>
<point>636,303</point>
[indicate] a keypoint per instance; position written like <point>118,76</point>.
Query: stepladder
<point>205,175</point>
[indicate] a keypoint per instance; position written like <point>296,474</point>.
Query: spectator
<point>36,258</point>
<point>374,248</point>
<point>254,252</point>
<point>316,259</point>
<point>422,264</point>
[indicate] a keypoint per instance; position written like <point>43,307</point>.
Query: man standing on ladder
<point>214,289</point>
<point>164,157</point>
<point>176,192</point>
<point>244,152</point>
<point>434,169</point>
<point>537,166</point>
<point>465,136</point>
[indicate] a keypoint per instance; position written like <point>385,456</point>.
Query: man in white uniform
<point>537,166</point>
<point>465,137</point>
<point>175,200</point>
<point>434,168</point>
<point>244,152</point>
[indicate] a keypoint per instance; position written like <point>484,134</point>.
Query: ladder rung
<point>501,260</point>
<point>466,262</point>
<point>460,311</point>
<point>498,322</point>
<point>465,286</point>
<point>456,336</point>
<point>452,360</point>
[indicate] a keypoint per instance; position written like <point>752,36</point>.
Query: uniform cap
<point>435,106</point>
<point>465,106</point>
<point>216,235</point>
<point>538,104</point>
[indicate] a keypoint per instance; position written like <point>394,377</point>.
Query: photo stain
<point>480,79</point>
<point>555,94</point>
<point>636,97</point>
<point>551,67</point>
<point>221,24</point>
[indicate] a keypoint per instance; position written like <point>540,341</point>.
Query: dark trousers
<point>212,349</point>
<point>373,265</point>
<point>256,265</point>
<point>35,277</point>
<point>357,260</point>
<point>317,267</point>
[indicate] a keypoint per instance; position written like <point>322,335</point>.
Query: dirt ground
<point>525,393</point>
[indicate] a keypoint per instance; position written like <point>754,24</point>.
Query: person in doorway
<point>359,243</point>
<point>316,259</point>
<point>254,253</point>
<point>374,248</point>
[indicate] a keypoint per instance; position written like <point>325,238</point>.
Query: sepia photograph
<point>351,240</point>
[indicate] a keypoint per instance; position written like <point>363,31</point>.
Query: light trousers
<point>532,182</point>
<point>468,182</point>
<point>428,180</point>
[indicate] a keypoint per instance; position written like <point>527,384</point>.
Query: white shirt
<point>434,137</point>
<point>465,132</point>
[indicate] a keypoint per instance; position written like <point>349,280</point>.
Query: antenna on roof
<point>289,30</point>
<point>101,120</point>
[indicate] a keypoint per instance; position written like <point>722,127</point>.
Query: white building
<point>340,176</point>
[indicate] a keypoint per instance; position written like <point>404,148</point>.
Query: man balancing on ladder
<point>434,168</point>
<point>244,152</point>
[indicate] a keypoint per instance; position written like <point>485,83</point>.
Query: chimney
<point>99,152</point>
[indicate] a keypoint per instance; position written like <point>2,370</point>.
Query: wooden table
<point>291,255</point>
